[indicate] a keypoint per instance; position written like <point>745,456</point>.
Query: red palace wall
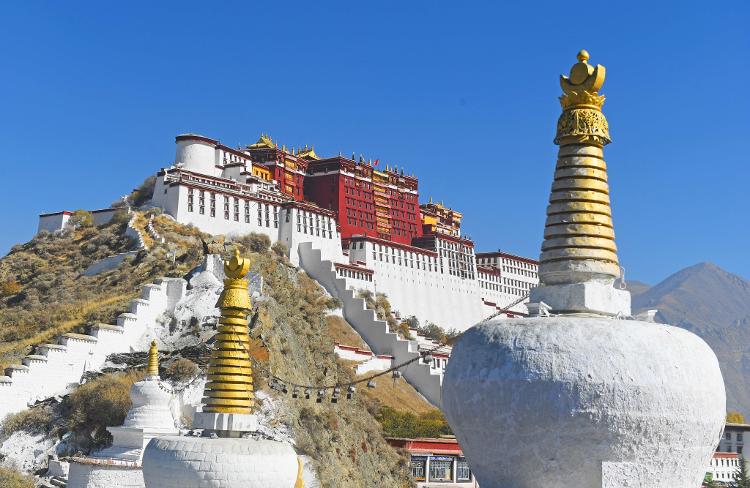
<point>353,200</point>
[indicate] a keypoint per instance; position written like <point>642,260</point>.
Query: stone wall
<point>51,368</point>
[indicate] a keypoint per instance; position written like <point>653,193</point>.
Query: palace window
<point>190,199</point>
<point>213,205</point>
<point>418,465</point>
<point>463,472</point>
<point>441,469</point>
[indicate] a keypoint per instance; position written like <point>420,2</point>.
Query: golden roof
<point>264,142</point>
<point>307,152</point>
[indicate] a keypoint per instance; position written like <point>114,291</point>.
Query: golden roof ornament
<point>230,376</point>
<point>582,119</point>
<point>153,361</point>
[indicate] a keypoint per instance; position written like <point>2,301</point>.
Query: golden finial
<point>230,376</point>
<point>582,119</point>
<point>584,78</point>
<point>153,360</point>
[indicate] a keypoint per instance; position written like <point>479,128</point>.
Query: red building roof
<point>424,445</point>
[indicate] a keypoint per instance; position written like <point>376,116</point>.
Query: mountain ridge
<point>715,305</point>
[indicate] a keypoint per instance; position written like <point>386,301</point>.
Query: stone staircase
<point>51,368</point>
<point>376,333</point>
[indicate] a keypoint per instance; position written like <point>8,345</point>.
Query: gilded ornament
<point>579,233</point>
<point>230,376</point>
<point>582,120</point>
<point>153,360</point>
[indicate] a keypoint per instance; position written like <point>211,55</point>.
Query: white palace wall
<point>417,287</point>
<point>52,368</point>
<point>239,215</point>
<point>376,333</point>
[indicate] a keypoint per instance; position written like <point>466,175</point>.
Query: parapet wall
<point>51,368</point>
<point>376,333</point>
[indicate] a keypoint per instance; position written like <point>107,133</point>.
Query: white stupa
<point>120,465</point>
<point>579,394</point>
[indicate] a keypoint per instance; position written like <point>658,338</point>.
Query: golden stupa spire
<point>230,376</point>
<point>579,239</point>
<point>153,360</point>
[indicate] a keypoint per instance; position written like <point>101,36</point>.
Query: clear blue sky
<point>462,94</point>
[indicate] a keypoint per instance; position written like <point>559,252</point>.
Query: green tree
<point>741,478</point>
<point>709,482</point>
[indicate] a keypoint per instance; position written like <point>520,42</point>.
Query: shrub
<point>35,420</point>
<point>10,478</point>
<point>398,423</point>
<point>99,403</point>
<point>180,370</point>
<point>10,287</point>
<point>254,242</point>
<point>280,249</point>
<point>120,217</point>
<point>81,218</point>
<point>143,193</point>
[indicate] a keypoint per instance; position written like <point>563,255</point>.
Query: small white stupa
<point>229,454</point>
<point>120,465</point>
<point>580,394</point>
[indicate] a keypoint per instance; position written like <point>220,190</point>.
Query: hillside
<point>715,305</point>
<point>46,291</point>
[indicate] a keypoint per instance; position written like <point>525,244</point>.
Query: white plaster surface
<point>544,402</point>
<point>599,297</point>
<point>103,476</point>
<point>201,462</point>
<point>26,451</point>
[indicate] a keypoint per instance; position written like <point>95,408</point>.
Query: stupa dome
<point>150,406</point>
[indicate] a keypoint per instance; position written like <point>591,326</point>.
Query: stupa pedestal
<point>577,397</point>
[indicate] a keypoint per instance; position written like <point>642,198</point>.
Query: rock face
<point>560,402</point>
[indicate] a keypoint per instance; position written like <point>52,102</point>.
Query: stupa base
<point>226,424</point>
<point>592,297</point>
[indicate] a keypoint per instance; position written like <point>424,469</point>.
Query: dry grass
<point>13,351</point>
<point>50,295</point>
<point>10,478</point>
<point>399,395</point>
<point>340,331</point>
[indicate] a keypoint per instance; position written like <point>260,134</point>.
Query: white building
<point>507,277</point>
<point>723,466</point>
<point>733,439</point>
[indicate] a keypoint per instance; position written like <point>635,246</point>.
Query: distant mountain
<point>715,305</point>
<point>636,287</point>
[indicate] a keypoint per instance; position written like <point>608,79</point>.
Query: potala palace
<point>337,214</point>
